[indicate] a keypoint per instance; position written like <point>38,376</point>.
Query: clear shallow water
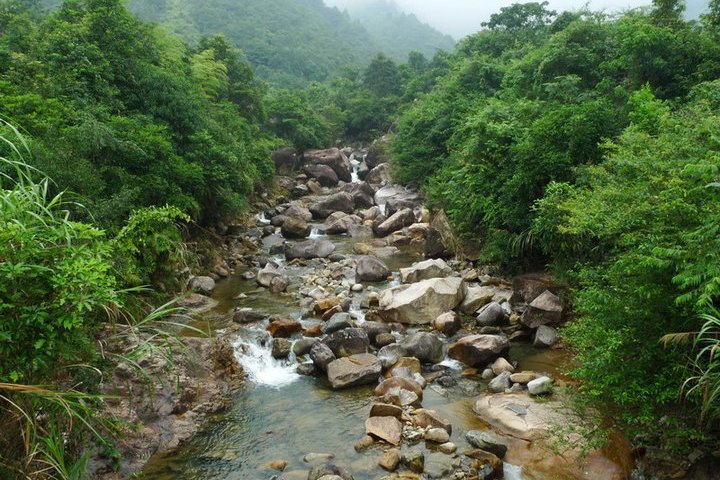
<point>279,415</point>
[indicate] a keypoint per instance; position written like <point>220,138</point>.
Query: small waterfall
<point>262,219</point>
<point>354,175</point>
<point>315,232</point>
<point>255,355</point>
<point>356,312</point>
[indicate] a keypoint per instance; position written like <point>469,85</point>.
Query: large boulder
<point>448,323</point>
<point>338,202</point>
<point>322,356</point>
<point>362,194</point>
<point>547,309</point>
<point>285,160</point>
<point>355,370</point>
<point>347,342</point>
<point>266,276</point>
<point>477,297</point>
<point>440,239</point>
<point>479,350</point>
<point>422,302</point>
<point>425,270</point>
<point>390,354</point>
<point>490,315</point>
<point>529,286</point>
<point>325,175</point>
<point>424,346</point>
<point>201,285</point>
<point>398,221</point>
<point>340,222</point>
<point>379,174</point>
<point>370,269</point>
<point>297,211</point>
<point>313,248</point>
<point>333,158</point>
<point>295,228</point>
<point>394,193</point>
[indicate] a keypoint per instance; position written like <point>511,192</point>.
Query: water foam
<point>255,355</point>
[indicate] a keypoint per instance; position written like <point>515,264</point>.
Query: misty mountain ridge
<point>293,42</point>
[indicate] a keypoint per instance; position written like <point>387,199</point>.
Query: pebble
<point>437,435</point>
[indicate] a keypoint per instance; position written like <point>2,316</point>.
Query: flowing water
<point>280,415</point>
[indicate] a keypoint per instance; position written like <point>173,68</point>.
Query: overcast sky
<point>462,17</point>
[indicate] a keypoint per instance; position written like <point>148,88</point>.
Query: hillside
<point>397,32</point>
<point>291,42</point>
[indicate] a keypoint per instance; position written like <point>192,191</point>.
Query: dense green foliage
<point>291,42</point>
<point>590,143</point>
<point>126,116</point>
<point>397,33</point>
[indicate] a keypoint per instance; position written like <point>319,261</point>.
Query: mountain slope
<point>397,32</point>
<point>288,41</point>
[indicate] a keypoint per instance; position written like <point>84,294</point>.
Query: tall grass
<point>46,428</point>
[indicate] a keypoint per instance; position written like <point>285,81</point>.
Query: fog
<point>463,17</point>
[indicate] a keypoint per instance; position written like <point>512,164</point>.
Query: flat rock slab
<point>521,416</point>
<point>388,429</point>
<point>355,370</point>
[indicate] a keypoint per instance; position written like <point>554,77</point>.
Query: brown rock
<point>314,331</point>
<point>411,363</point>
<point>430,418</point>
<point>325,304</point>
<point>283,327</point>
<point>448,323</point>
<point>390,460</point>
<point>401,383</point>
<point>364,443</point>
<point>523,377</point>
<point>388,429</point>
<point>278,465</point>
<point>386,410</point>
<point>482,458</point>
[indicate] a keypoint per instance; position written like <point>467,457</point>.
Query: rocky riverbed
<point>372,352</point>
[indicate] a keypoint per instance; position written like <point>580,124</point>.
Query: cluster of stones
<point>440,309</point>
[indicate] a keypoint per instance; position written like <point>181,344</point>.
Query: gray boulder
<point>500,383</point>
<point>333,158</point>
<point>321,355</point>
<point>370,269</point>
<point>337,322</point>
<point>313,248</point>
<point>424,346</point>
<point>479,350</point>
<point>323,174</point>
<point>547,309</point>
<point>353,371</point>
<point>490,315</point>
<point>201,285</point>
<point>379,175</point>
<point>422,302</point>
<point>425,270</point>
<point>398,221</point>
<point>545,337</point>
<point>338,202</point>
<point>347,342</point>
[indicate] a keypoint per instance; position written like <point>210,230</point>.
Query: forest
<point>582,143</point>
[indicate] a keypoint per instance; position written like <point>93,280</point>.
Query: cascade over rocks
<point>422,302</point>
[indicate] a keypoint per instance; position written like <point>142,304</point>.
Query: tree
<point>521,16</point>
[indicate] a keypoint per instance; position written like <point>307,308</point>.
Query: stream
<point>279,414</point>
